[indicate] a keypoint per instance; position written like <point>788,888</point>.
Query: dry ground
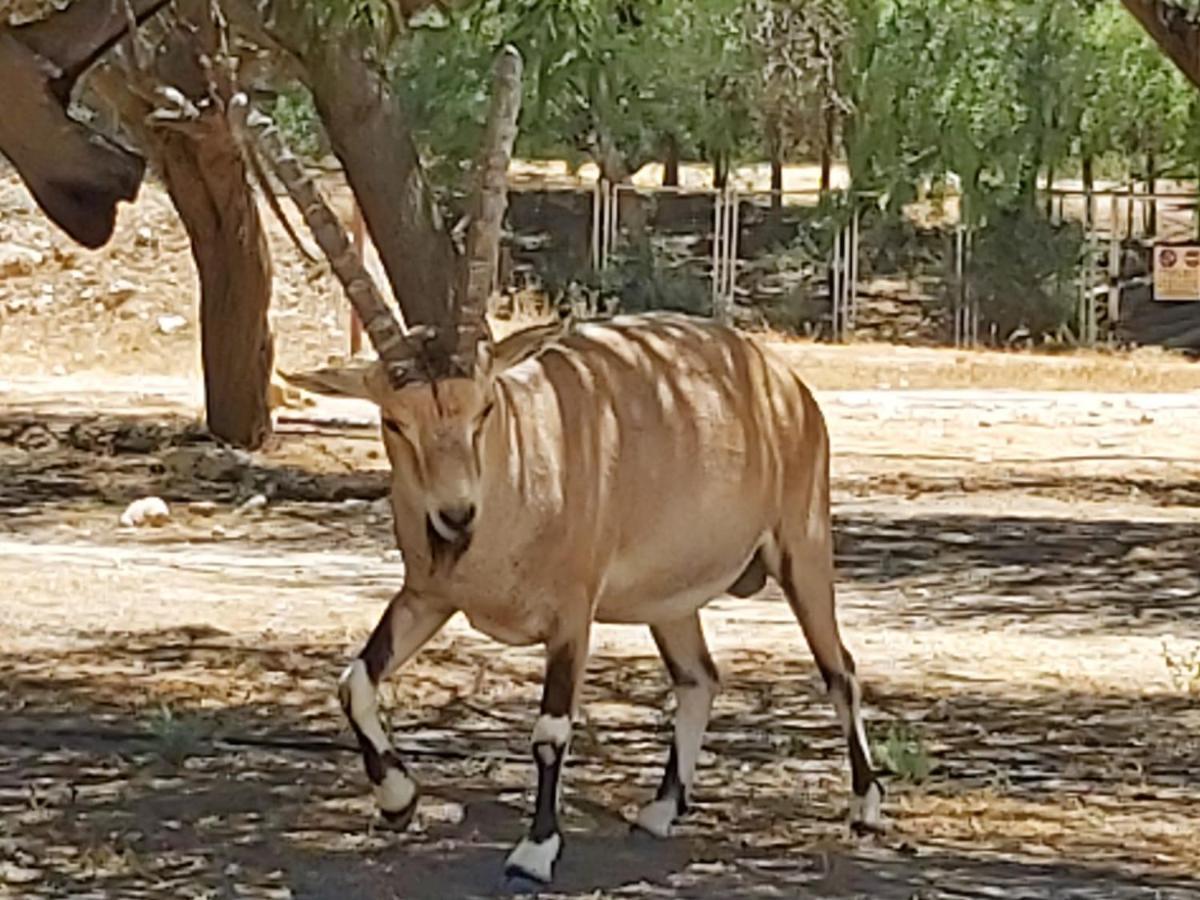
<point>1019,549</point>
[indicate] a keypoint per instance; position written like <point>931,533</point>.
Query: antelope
<point>626,471</point>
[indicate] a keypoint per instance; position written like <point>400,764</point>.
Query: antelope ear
<point>366,382</point>
<point>484,357</point>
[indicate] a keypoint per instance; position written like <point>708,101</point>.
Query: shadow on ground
<point>249,787</point>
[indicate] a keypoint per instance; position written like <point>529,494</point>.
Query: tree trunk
<point>1152,204</point>
<point>1050,193</point>
<point>827,150</point>
<point>720,170</point>
<point>671,164</point>
<point>491,189</point>
<point>197,152</point>
<point>1168,24</point>
<point>1089,188</point>
<point>208,184</point>
<point>775,151</point>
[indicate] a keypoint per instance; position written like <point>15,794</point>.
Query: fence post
<point>731,251</point>
<point>1114,263</point>
<point>718,228</point>
<point>835,288</point>
<point>597,219</point>
<point>854,221</point>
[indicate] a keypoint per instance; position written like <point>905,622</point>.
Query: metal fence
<point>1112,218</point>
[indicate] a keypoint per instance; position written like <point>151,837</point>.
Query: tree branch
<point>491,189</point>
<point>1178,38</point>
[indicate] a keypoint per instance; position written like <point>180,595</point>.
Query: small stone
<point>204,508</point>
<point>255,504</point>
<point>17,259</point>
<point>169,324</point>
<point>119,291</point>
<point>11,873</point>
<point>144,237</point>
<point>146,511</point>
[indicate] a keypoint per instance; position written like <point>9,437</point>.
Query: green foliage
<point>297,118</point>
<point>641,281</point>
<point>903,753</point>
<point>1022,272</point>
<point>176,738</point>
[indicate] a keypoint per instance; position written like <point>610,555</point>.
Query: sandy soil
<point>1018,547</point>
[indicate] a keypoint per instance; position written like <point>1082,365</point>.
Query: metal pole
<point>597,218</point>
<point>614,215</point>
<point>854,266</point>
<point>1114,263</point>
<point>835,286</point>
<point>735,221</point>
<point>716,253</point>
<point>960,291</point>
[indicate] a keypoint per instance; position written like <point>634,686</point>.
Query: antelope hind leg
<point>695,681</point>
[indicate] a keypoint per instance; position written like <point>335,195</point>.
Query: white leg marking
<point>868,809</point>
<point>535,859</point>
<point>657,817</point>
<point>691,718</point>
<point>554,730</point>
<point>396,793</point>
<point>364,709</point>
<point>856,716</point>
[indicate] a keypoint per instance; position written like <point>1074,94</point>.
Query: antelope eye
<point>487,410</point>
<point>392,426</point>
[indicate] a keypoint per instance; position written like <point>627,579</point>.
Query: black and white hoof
<point>533,861</point>
<point>657,817</point>
<point>397,796</point>
<point>866,811</point>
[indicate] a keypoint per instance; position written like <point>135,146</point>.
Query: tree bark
<point>196,150</point>
<point>1151,187</point>
<point>775,150</point>
<point>208,183</point>
<point>80,183</point>
<point>1170,28</point>
<point>827,150</point>
<point>671,162</point>
<point>491,189</point>
<point>720,170</point>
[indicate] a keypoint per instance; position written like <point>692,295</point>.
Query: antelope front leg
<point>535,856</point>
<point>406,626</point>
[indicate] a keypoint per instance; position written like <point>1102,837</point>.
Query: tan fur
<point>628,470</point>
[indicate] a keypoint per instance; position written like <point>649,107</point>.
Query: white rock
<point>169,324</point>
<point>146,511</point>
<point>121,289</point>
<point>17,259</point>
<point>257,503</point>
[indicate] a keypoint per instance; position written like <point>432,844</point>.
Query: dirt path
<point>1019,583</point>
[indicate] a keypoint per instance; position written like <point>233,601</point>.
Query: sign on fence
<point>1177,272</point>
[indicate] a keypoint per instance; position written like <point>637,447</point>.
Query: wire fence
<point>1114,219</point>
